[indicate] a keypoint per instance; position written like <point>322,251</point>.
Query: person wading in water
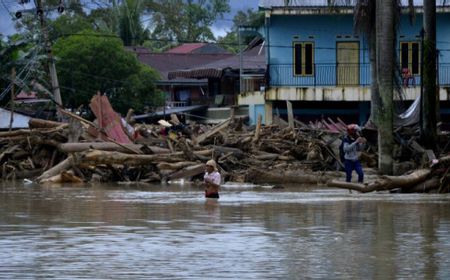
<point>353,144</point>
<point>211,180</point>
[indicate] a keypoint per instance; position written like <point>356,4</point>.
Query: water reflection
<point>166,232</point>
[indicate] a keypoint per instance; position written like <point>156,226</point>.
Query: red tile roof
<point>25,95</point>
<point>186,48</point>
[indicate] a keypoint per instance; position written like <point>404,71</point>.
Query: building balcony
<point>343,75</point>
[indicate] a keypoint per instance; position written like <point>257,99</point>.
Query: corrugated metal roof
<point>167,62</point>
<point>253,59</point>
<point>186,48</point>
<point>20,121</point>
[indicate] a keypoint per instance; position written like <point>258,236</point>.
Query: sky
<point>219,28</point>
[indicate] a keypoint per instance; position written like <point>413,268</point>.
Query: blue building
<point>317,61</point>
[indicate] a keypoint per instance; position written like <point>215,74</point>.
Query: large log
<point>39,123</point>
<point>188,172</point>
<point>238,153</point>
<point>430,184</point>
<point>348,185</point>
<point>57,169</point>
<point>19,132</point>
<point>284,177</point>
<point>105,157</point>
<point>174,166</point>
<point>385,182</point>
<point>202,137</point>
<point>63,177</point>
<point>107,146</point>
<point>26,174</point>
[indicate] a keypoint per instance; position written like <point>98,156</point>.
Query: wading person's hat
<point>212,163</point>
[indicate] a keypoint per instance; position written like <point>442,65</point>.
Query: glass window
<point>303,58</point>
<point>410,57</point>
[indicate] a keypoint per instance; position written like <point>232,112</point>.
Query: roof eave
<point>331,10</point>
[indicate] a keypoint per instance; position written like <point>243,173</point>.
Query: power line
<point>219,43</point>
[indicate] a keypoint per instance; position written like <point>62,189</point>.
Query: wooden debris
<point>275,154</point>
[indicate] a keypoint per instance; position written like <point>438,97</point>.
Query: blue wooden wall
<point>322,31</point>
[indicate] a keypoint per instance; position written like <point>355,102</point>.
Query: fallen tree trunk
<point>348,185</point>
<point>174,166</point>
<point>25,174</point>
<point>238,153</point>
<point>107,146</point>
<point>63,177</point>
<point>57,169</point>
<point>105,157</point>
<point>262,176</point>
<point>385,182</point>
<point>200,138</point>
<point>39,123</point>
<point>423,187</point>
<point>188,172</point>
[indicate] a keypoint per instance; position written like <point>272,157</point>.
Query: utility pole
<point>13,94</point>
<point>51,64</point>
<point>241,60</point>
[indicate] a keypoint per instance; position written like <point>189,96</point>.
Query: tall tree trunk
<point>385,36</point>
<point>430,102</point>
<point>374,92</point>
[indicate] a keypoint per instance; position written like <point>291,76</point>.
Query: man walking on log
<point>353,144</point>
<point>211,180</point>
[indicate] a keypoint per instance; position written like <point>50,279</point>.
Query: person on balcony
<point>407,77</point>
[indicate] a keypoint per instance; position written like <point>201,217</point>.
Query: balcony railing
<point>330,3</point>
<point>341,75</point>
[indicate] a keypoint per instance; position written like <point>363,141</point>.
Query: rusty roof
<point>205,48</point>
<point>167,62</point>
<point>253,60</point>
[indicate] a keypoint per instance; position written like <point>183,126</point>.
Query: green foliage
<point>65,25</point>
<point>185,21</point>
<point>130,27</point>
<point>22,53</point>
<point>142,88</point>
<point>91,62</point>
<point>242,18</point>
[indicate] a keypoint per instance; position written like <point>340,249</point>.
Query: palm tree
<point>129,14</point>
<point>430,101</point>
<point>387,17</point>
<point>378,21</point>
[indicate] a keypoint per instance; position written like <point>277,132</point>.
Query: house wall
<point>323,30</point>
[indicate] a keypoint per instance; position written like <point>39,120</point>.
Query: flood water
<point>171,232</point>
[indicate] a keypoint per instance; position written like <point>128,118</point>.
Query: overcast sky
<point>219,28</point>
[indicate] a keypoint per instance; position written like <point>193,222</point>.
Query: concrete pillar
<point>268,106</point>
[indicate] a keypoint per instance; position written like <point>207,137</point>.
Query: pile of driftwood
<point>79,151</point>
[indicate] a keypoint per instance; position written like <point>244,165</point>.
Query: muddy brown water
<point>108,231</point>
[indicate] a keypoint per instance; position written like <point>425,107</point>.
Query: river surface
<point>171,232</point>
